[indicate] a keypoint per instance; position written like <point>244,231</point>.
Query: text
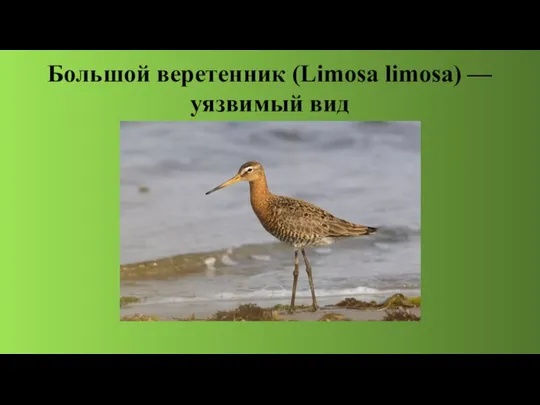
<point>295,104</point>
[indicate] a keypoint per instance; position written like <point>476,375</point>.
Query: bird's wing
<point>302,217</point>
<point>305,218</point>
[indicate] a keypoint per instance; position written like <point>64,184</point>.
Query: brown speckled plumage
<point>297,222</point>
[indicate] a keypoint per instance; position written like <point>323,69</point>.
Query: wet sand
<point>325,315</point>
<point>164,268</point>
<point>395,308</point>
<point>342,314</point>
<point>401,308</point>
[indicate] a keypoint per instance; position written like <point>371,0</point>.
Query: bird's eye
<point>249,170</point>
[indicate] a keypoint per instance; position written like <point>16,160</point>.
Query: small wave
<point>265,258</point>
<point>200,261</point>
<point>267,293</point>
<point>226,258</point>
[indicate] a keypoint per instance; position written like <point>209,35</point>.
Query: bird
<point>293,221</point>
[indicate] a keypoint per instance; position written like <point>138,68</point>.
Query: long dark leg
<point>310,279</point>
<point>295,280</point>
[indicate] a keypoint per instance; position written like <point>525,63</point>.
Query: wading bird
<point>293,221</point>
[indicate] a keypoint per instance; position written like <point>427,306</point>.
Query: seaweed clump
<point>393,302</point>
<point>139,318</point>
<point>353,303</point>
<point>247,312</point>
<point>400,301</point>
<point>333,317</point>
<point>125,301</point>
<point>400,314</point>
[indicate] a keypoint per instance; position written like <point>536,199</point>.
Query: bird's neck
<point>259,195</point>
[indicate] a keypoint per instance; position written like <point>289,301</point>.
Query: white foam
<point>261,257</point>
<point>210,261</point>
<point>226,260</point>
<point>269,293</point>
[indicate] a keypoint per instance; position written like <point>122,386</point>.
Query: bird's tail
<point>344,228</point>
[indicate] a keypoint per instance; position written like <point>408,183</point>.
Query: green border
<point>60,190</point>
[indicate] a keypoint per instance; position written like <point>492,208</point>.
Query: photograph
<point>270,221</point>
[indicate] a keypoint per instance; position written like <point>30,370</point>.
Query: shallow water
<point>367,173</point>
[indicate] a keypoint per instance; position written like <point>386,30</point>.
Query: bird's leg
<point>295,280</point>
<point>310,279</point>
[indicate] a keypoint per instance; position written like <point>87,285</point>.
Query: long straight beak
<point>233,180</point>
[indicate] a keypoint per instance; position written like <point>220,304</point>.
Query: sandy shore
<point>395,308</point>
<point>343,314</point>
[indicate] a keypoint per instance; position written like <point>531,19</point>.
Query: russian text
<point>300,74</point>
<point>211,75</point>
<point>58,74</point>
<point>295,104</point>
<point>219,105</point>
